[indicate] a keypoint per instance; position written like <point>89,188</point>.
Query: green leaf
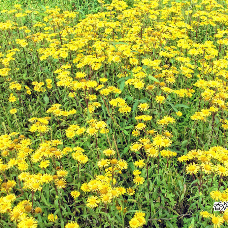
<point>122,84</point>
<point>172,106</point>
<point>181,106</point>
<point>129,127</point>
<point>44,200</point>
<point>123,79</point>
<point>184,143</point>
<point>46,99</point>
<point>129,98</point>
<point>153,78</point>
<point>135,106</point>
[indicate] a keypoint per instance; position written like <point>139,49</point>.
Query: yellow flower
<point>135,133</point>
<point>52,218</point>
<point>122,164</point>
<point>160,99</point>
<point>140,126</point>
<point>205,214</point>
<point>192,168</point>
<point>143,107</point>
<point>109,152</point>
<point>92,202</point>
<point>138,180</point>
<point>85,187</point>
<point>60,183</point>
<point>44,164</point>
<point>136,172</point>
<point>215,195</point>
<point>152,152</point>
<point>12,98</point>
<point>103,163</point>
<point>139,163</point>
<point>27,223</point>
<point>72,224</point>
<point>62,173</point>
<point>106,198</point>
<point>217,221</point>
<point>13,111</point>
<point>135,147</point>
<point>82,159</point>
<point>131,191</point>
<point>134,223</point>
<point>179,113</point>
<point>75,194</point>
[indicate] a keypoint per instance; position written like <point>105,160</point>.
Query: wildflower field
<point>113,113</point>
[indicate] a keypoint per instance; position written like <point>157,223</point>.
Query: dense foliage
<point>113,115</point>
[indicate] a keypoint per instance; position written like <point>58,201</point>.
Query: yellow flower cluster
<point>138,220</point>
<point>55,109</point>
<point>166,120</point>
<point>121,103</point>
<point>79,156</point>
<point>74,130</point>
<point>102,186</point>
<point>40,124</point>
<point>207,161</point>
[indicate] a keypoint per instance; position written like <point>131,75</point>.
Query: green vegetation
<point>113,113</point>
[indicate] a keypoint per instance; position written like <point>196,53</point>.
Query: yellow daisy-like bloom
<point>134,223</point>
<point>138,180</point>
<point>140,126</point>
<point>221,170</point>
<point>207,168</point>
<point>122,164</point>
<point>135,133</point>
<point>143,107</point>
<point>122,190</point>
<point>215,195</point>
<point>225,215</point>
<point>72,225</point>
<point>27,223</point>
<point>52,217</point>
<point>82,159</point>
<point>75,194</point>
<point>92,202</point>
<point>106,198</point>
<point>135,147</point>
<point>192,168</point>
<point>13,111</point>
<point>160,99</point>
<point>16,214</point>
<point>205,214</point>
<point>44,164</point>
<point>85,187</point>
<point>109,152</point>
<point>103,163</point>
<point>12,98</point>
<point>136,172</point>
<point>217,221</point>
<point>60,183</point>
<point>224,197</point>
<point>139,163</point>
<point>92,131</point>
<point>131,191</point>
<point>62,173</point>
<point>141,220</point>
<point>151,132</point>
<point>179,113</point>
<point>152,152</point>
